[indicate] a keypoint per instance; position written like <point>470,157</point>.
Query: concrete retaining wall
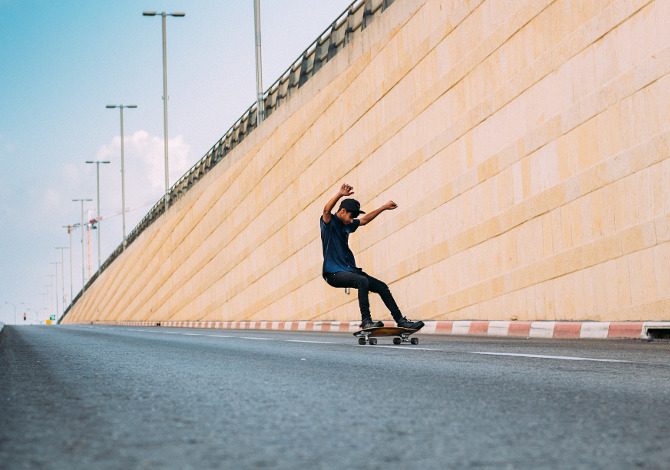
<point>527,144</point>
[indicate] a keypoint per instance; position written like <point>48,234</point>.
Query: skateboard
<point>400,335</point>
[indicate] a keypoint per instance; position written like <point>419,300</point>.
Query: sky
<point>62,63</point>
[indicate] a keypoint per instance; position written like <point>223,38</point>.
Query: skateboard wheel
<point>397,341</point>
<point>361,341</point>
<point>372,341</point>
<point>414,340</point>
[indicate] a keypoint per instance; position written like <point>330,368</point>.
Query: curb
<point>518,329</point>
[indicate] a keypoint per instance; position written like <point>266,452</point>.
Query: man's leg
<point>355,281</point>
<point>380,287</point>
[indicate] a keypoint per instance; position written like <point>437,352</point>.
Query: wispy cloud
<point>144,175</point>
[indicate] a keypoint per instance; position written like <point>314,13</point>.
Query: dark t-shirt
<point>335,242</point>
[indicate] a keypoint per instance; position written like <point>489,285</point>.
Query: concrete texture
<point>527,144</point>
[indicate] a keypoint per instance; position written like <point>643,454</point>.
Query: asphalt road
<point>108,397</point>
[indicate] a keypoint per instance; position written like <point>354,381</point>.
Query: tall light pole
<point>164,16</point>
<point>62,271</point>
<point>123,178</point>
<point>56,287</point>
<point>83,274</point>
<point>97,216</point>
<point>260,112</point>
<point>25,311</point>
<point>50,276</point>
<point>69,234</point>
<point>45,295</point>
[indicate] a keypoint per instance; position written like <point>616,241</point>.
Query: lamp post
<point>260,112</point>
<point>45,296</point>
<point>62,271</point>
<point>83,274</point>
<point>97,216</point>
<point>123,179</point>
<point>51,276</point>
<point>164,16</point>
<point>25,311</point>
<point>69,234</point>
<point>56,287</point>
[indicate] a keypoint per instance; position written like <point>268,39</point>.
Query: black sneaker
<point>371,324</point>
<point>414,325</point>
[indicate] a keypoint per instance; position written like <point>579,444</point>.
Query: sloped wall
<point>527,144</point>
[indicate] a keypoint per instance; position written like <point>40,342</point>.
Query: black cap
<point>353,206</point>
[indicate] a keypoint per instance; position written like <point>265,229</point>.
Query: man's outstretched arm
<point>345,190</point>
<point>367,218</point>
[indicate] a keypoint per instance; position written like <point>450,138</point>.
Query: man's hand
<point>346,190</point>
<point>367,218</point>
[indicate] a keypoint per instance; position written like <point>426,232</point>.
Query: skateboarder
<point>339,265</point>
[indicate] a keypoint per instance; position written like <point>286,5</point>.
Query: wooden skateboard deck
<point>400,335</point>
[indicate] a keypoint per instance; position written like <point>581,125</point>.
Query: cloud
<point>145,153</point>
<point>144,184</point>
<point>144,177</point>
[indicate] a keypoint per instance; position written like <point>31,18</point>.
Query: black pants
<point>365,283</point>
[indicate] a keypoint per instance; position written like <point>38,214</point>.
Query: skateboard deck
<point>400,335</point>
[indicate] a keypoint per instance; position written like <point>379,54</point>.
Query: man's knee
<point>363,283</point>
<point>383,288</point>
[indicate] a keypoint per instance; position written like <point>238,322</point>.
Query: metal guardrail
<point>335,38</point>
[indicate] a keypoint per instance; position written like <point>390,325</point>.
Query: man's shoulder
<point>354,226</point>
<point>330,225</point>
<point>333,220</point>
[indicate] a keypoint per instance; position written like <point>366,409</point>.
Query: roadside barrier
<point>519,329</point>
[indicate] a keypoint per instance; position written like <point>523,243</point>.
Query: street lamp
<point>45,296</point>
<point>56,288</point>
<point>123,179</point>
<point>260,111</point>
<point>83,274</point>
<point>62,271</point>
<point>69,234</point>
<point>97,217</point>
<point>164,16</point>
<point>26,309</point>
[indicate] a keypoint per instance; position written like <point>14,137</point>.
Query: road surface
<point>121,397</point>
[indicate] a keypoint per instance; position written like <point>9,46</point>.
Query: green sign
<point>52,318</point>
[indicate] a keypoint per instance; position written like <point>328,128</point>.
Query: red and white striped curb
<point>525,329</point>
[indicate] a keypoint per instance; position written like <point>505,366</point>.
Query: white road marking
<point>541,356</point>
<point>407,348</point>
<point>305,341</point>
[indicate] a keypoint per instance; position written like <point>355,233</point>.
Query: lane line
<point>542,356</point>
<point>406,348</point>
<point>305,341</point>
